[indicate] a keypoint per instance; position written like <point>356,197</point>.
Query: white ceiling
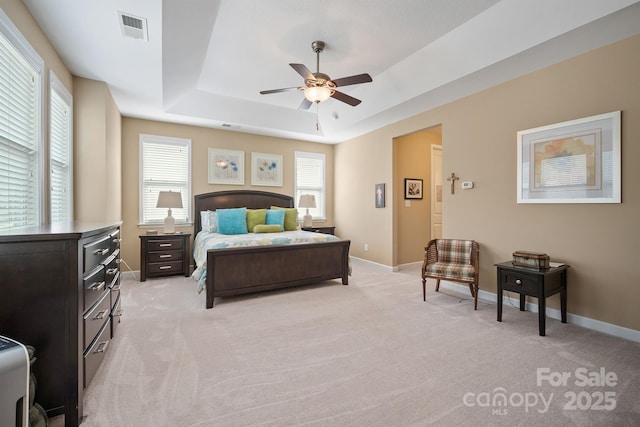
<point>206,61</point>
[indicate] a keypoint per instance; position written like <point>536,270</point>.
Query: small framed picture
<point>266,169</point>
<point>379,195</point>
<point>412,188</point>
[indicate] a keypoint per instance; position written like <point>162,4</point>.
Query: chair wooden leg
<point>437,285</point>
<point>424,289</point>
<point>475,296</point>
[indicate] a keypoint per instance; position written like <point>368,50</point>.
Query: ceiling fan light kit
<point>318,87</point>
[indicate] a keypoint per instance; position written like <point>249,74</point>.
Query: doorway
<point>436,191</point>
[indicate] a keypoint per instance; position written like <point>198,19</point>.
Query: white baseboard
<point>386,267</point>
<point>585,322</point>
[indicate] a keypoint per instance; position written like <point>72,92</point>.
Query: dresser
<point>60,292</point>
<point>164,255</point>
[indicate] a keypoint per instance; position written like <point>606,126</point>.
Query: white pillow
<point>209,221</point>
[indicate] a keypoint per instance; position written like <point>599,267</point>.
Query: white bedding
<point>205,241</point>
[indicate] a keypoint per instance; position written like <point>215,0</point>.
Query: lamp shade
<point>169,199</point>
<point>307,201</point>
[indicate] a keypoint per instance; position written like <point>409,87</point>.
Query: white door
<point>436,191</point>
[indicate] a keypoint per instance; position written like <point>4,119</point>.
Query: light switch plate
<point>467,185</point>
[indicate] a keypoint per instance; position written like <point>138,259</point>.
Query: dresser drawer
<point>94,287</point>
<point>112,268</point>
<point>95,319</point>
<point>165,256</point>
<point>165,245</point>
<point>116,313</point>
<point>98,250</point>
<point>520,283</point>
<point>95,354</point>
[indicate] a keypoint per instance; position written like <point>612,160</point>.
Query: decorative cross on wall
<point>453,178</point>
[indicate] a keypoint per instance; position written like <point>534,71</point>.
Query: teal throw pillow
<point>275,217</point>
<point>232,221</point>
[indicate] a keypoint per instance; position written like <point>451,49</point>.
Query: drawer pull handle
<point>118,261</point>
<point>112,271</point>
<point>97,286</point>
<point>117,240</point>
<point>165,245</point>
<point>518,282</point>
<point>165,267</point>
<point>118,313</point>
<point>100,315</point>
<point>101,251</point>
<point>116,288</point>
<point>166,256</point>
<point>102,347</point>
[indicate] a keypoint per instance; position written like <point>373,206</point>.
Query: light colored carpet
<point>368,354</point>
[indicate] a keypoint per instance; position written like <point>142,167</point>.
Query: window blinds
<point>165,166</point>
<point>60,153</point>
<point>310,180</point>
<point>19,137</point>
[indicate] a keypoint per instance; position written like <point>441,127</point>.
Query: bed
<point>241,270</point>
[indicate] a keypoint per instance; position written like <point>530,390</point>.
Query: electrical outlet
<point>366,247</point>
<point>467,185</point>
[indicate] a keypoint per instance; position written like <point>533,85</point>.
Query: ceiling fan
<point>319,87</point>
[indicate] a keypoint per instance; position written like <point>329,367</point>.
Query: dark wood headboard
<point>250,199</point>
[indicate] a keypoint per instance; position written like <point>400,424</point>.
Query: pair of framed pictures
<point>227,167</point>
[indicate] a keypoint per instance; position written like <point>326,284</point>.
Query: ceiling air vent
<point>133,26</point>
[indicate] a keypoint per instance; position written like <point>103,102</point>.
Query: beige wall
<point>201,140</point>
<point>599,241</point>
<point>97,152</point>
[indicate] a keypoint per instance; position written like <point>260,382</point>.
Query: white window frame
<point>56,87</point>
<point>17,40</point>
<point>184,220</point>
<point>319,213</point>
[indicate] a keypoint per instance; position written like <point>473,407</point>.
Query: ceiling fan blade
<point>303,71</point>
<point>284,89</point>
<point>353,80</point>
<point>305,104</point>
<point>345,98</point>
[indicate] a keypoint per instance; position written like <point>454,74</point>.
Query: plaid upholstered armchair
<point>452,259</point>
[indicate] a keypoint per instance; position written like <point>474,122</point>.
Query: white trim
<point>386,267</point>
<point>574,319</point>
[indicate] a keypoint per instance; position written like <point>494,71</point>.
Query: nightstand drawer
<point>521,283</point>
<point>165,267</point>
<point>165,245</point>
<point>165,256</point>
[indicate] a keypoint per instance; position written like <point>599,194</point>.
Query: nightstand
<point>164,255</point>
<point>325,230</point>
<point>536,283</point>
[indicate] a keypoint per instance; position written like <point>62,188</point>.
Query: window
<point>165,165</point>
<point>60,151</point>
<point>20,129</point>
<point>309,172</point>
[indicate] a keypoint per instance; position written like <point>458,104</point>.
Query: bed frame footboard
<point>236,271</point>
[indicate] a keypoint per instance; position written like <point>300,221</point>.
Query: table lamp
<point>169,199</point>
<point>307,201</point>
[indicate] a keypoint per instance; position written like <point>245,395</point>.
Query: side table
<point>164,255</point>
<point>535,283</point>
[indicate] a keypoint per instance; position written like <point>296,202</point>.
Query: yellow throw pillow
<point>267,228</point>
<point>255,217</point>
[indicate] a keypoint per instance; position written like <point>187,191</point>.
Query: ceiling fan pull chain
<point>317,119</point>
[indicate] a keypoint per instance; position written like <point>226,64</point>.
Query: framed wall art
<point>226,166</point>
<point>266,169</point>
<point>571,162</point>
<point>412,188</point>
<point>380,196</point>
